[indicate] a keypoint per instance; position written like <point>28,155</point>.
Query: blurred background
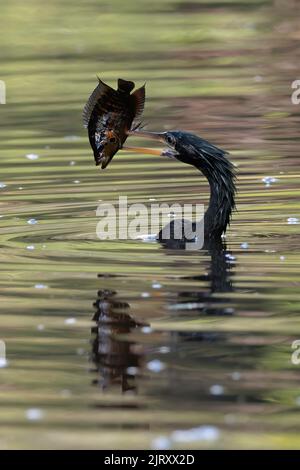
<point>122,344</point>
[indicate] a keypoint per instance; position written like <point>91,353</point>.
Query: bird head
<point>192,150</point>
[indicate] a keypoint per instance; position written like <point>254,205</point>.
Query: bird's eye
<point>170,139</point>
<point>112,139</point>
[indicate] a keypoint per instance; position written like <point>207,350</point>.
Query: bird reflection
<point>116,359</point>
<point>113,356</point>
<point>203,301</point>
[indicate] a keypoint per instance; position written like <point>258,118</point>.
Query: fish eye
<point>112,139</point>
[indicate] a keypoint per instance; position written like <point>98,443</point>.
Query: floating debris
<point>282,258</point>
<point>72,163</point>
<point>76,181</point>
<point>34,414</point>
<point>20,188</point>
<point>40,327</point>
<point>2,185</point>
<point>32,221</point>
<point>30,247</point>
<point>32,156</point>
<point>292,220</point>
<point>156,365</point>
<point>216,390</point>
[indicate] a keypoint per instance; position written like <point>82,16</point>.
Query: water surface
<point>121,344</point>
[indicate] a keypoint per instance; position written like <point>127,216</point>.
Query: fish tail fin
<point>125,86</point>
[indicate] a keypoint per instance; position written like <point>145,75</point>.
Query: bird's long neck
<point>221,178</point>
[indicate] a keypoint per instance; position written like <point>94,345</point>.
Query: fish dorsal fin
<point>100,90</point>
<point>125,86</point>
<point>138,98</point>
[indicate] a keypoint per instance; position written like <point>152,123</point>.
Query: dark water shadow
<point>116,359</point>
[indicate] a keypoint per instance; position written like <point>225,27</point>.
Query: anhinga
<point>213,164</point>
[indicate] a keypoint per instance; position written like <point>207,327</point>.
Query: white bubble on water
<point>268,180</point>
<point>145,294</point>
<point>164,349</point>
<point>201,433</point>
<point>245,245</point>
<point>40,286</point>
<point>32,156</point>
<point>146,329</point>
<point>292,220</point>
<point>70,321</point>
<point>30,247</point>
<point>236,375</point>
<point>132,370</point>
<point>216,390</point>
<point>156,365</point>
<point>32,221</point>
<point>34,414</point>
<point>161,443</point>
<point>3,362</point>
<point>156,285</point>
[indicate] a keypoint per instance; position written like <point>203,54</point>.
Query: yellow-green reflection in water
<point>206,347</point>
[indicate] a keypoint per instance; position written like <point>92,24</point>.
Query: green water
<point>179,343</point>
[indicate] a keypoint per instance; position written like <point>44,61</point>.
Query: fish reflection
<point>113,356</point>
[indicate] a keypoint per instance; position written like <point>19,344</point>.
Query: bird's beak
<point>143,150</point>
<point>158,136</point>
